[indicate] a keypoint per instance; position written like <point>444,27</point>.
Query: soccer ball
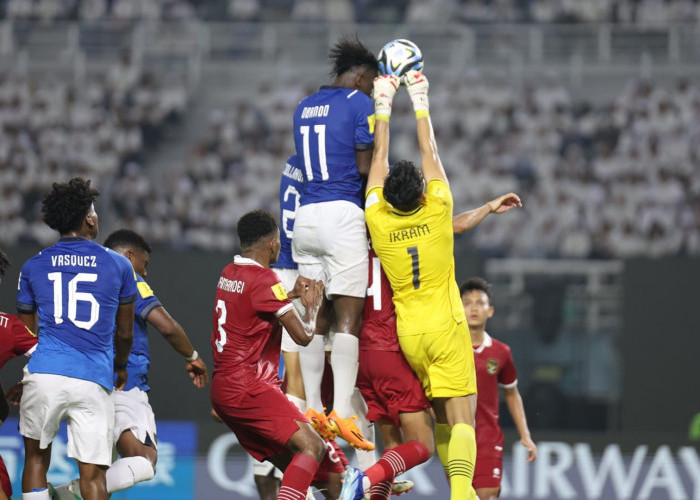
<point>399,57</point>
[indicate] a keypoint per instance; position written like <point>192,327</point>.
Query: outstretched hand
<point>504,203</point>
<point>198,372</point>
<point>313,295</point>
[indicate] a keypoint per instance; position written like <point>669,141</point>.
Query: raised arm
<point>384,91</point>
<point>175,335</point>
<point>417,85</point>
<point>467,221</point>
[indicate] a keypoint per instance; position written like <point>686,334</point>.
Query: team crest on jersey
<point>492,366</point>
<point>279,291</point>
<point>144,290</point>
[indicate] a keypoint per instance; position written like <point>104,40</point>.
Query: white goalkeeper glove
<point>417,85</point>
<point>384,90</point>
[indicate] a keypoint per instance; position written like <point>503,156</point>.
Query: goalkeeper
<point>412,234</point>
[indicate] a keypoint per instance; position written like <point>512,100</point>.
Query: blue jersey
<point>140,355</point>
<point>291,188</point>
<point>76,287</point>
<point>329,127</point>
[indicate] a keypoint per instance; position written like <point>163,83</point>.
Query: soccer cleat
<point>352,485</point>
<point>401,486</point>
<point>347,429</point>
<point>417,85</point>
<point>398,487</point>
<point>384,90</point>
<point>319,421</point>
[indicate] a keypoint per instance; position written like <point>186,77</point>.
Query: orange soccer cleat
<point>347,429</point>
<point>319,421</point>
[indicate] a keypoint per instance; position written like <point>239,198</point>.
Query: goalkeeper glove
<point>384,90</point>
<point>417,85</point>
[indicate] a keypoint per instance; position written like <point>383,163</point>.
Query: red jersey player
<point>494,368</point>
<point>15,340</point>
<point>245,393</point>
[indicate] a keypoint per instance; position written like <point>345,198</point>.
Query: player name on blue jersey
<point>315,111</point>
<point>74,260</point>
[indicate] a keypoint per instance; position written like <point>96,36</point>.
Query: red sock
<point>297,478</point>
<point>380,491</point>
<point>397,461</point>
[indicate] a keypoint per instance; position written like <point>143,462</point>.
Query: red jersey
<point>246,334</point>
<point>379,319</point>
<point>494,368</point>
<point>15,338</point>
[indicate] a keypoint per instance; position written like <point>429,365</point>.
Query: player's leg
<point>417,426</point>
<point>36,465</point>
<point>93,481</point>
<point>6,490</point>
<point>365,458</point>
<point>292,371</point>
<point>306,450</point>
<point>488,493</point>
<point>266,478</point>
<point>488,474</point>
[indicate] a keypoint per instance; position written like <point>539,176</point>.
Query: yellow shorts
<point>443,361</point>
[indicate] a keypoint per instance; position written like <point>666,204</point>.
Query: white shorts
<point>288,277</point>
<point>266,469</point>
<point>88,407</point>
<point>133,412</point>
<point>330,244</point>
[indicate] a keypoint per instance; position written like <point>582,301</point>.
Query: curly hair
<point>67,204</point>
<point>4,263</point>
<point>475,283</point>
<point>127,238</point>
<point>403,186</point>
<point>350,52</point>
<point>254,226</point>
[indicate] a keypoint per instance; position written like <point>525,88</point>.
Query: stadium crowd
<point>50,129</point>
<point>644,12</point>
<point>598,180</point>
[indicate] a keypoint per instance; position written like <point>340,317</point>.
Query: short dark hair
<point>4,263</point>
<point>127,238</point>
<point>403,186</point>
<point>475,283</point>
<point>67,204</point>
<point>254,226</point>
<point>349,52</point>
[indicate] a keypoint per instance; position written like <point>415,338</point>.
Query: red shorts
<point>262,422</point>
<point>5,479</point>
<point>488,472</point>
<point>389,386</point>
<point>334,461</point>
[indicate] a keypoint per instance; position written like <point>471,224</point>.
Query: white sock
<point>346,350</point>
<point>365,458</point>
<point>298,402</point>
<point>312,360</point>
<point>37,495</point>
<point>126,472</point>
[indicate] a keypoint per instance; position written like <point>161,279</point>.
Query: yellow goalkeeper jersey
<point>416,250</point>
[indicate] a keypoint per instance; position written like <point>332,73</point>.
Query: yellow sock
<point>461,458</point>
<point>442,442</point>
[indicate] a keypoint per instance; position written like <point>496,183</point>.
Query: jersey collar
<point>245,261</point>
<point>488,342</point>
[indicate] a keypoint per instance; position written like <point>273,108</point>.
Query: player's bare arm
<point>175,335</point>
<point>466,221</point>
<point>417,85</point>
<point>364,161</point>
<point>517,411</point>
<point>384,90</point>
<point>302,331</point>
<point>123,338</point>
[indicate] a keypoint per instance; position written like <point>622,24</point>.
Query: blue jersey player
<point>81,296</point>
<point>134,423</point>
<point>333,138</point>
